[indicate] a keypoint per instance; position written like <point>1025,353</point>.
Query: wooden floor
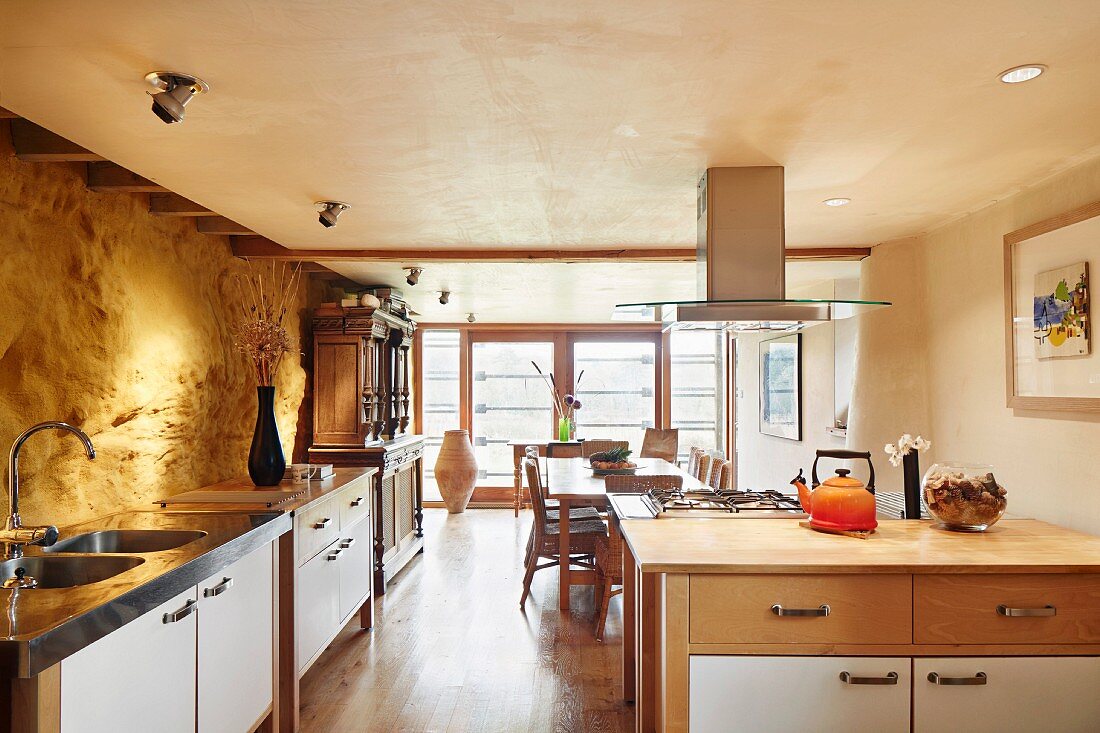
<point>452,651</point>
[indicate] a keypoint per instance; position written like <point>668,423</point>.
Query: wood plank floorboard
<point>452,651</point>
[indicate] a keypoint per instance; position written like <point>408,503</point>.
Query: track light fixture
<point>174,91</point>
<point>330,212</point>
<point>471,317</point>
<point>445,297</point>
<point>414,275</point>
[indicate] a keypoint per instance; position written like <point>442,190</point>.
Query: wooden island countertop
<point>897,546</point>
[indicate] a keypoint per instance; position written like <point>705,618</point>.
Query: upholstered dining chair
<point>543,541</point>
<point>588,447</point>
<point>661,443</point>
<point>609,549</point>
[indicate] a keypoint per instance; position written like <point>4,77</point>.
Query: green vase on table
<point>565,426</point>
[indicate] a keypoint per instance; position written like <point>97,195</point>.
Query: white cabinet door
<point>356,566</point>
<point>235,645</point>
<point>1001,694</point>
<point>318,602</point>
<point>138,679</point>
<point>782,694</point>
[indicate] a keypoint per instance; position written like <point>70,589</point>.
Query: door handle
<point>323,523</point>
<point>181,613</point>
<point>1004,610</point>
<point>357,501</point>
<point>978,679</point>
<point>822,610</point>
<point>891,678</point>
<point>334,555</point>
<point>347,543</point>
<point>218,589</point>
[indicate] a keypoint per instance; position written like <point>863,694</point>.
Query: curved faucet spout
<point>14,521</point>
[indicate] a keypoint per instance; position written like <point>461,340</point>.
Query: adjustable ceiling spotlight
<point>471,317</point>
<point>330,212</point>
<point>414,275</point>
<point>444,297</point>
<point>174,91</point>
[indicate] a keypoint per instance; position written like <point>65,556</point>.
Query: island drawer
<point>316,527</point>
<point>354,504</point>
<point>800,609</point>
<point>1007,609</point>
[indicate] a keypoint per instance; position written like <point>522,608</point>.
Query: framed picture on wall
<point>781,387</point>
<point>1051,360</point>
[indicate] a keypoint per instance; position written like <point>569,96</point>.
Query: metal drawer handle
<point>218,589</point>
<point>322,524</point>
<point>178,615</point>
<point>347,543</point>
<point>1004,610</point>
<point>891,678</point>
<point>357,501</point>
<point>822,610</point>
<point>978,679</point>
<point>334,555</point>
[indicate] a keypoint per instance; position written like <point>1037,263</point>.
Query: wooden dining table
<point>573,484</point>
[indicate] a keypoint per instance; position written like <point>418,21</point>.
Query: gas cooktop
<point>664,504</point>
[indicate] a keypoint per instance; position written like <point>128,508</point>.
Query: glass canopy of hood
<point>751,316</point>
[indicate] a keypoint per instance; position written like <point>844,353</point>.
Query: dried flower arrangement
<point>265,300</point>
<point>905,445</point>
<point>565,407</point>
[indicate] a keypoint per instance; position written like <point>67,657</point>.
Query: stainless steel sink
<point>65,572</point>
<point>127,541</point>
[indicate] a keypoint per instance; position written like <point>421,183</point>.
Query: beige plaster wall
<point>935,363</point>
<point>118,322</point>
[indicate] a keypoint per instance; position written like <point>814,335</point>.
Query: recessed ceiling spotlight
<point>174,91</point>
<point>445,297</point>
<point>1019,74</point>
<point>330,212</point>
<point>837,202</point>
<point>471,317</point>
<point>414,275</point>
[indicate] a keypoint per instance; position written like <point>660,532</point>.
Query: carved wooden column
<point>405,414</point>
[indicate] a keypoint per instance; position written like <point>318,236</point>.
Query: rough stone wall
<point>119,322</point>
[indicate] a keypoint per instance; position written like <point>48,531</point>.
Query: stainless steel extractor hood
<point>740,255</point>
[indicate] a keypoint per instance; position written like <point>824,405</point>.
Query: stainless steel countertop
<point>42,626</point>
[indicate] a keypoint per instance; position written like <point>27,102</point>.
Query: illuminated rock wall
<point>120,322</point>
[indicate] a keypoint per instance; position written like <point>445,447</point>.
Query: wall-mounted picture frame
<point>781,387</point>
<point>1051,362</point>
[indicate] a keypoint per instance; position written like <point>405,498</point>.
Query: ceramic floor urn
<point>456,470</point>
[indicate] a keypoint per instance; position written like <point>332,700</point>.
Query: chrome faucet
<point>15,536</point>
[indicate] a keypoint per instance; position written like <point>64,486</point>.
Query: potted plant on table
<point>565,407</point>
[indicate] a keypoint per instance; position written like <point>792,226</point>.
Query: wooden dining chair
<point>661,443</point>
<point>588,447</point>
<point>609,549</point>
<point>543,541</point>
<point>552,510</point>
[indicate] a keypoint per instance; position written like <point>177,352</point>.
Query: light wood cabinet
<point>764,694</point>
<point>138,679</point>
<point>998,694</point>
<point>235,643</point>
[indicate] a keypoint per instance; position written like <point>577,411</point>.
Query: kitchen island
<point>753,625</point>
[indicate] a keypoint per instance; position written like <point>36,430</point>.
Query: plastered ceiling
<point>568,123</point>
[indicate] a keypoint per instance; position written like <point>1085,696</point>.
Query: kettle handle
<point>845,454</point>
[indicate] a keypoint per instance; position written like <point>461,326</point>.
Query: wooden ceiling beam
<point>106,177</point>
<point>262,248</point>
<point>221,225</point>
<point>172,204</point>
<point>35,144</point>
<point>7,114</point>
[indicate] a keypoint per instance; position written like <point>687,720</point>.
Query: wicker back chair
<point>625,484</point>
<point>588,447</point>
<point>721,477</point>
<point>543,541</point>
<point>703,469</point>
<point>660,443</point>
<point>694,454</point>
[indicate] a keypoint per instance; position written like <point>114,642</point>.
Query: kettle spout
<point>799,482</point>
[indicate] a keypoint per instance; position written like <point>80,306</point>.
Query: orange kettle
<point>840,502</point>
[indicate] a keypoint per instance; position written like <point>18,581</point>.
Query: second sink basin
<point>65,572</point>
<point>127,541</point>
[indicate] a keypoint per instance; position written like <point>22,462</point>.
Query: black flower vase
<point>266,463</point>
<point>910,466</point>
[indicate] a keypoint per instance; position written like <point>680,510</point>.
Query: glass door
<point>615,379</point>
<point>510,401</point>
